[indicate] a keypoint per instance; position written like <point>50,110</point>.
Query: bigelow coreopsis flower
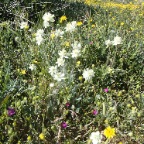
<point>88,74</point>
<point>96,137</point>
<point>109,132</point>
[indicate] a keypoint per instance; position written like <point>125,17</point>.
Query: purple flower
<point>11,111</point>
<point>106,90</point>
<point>91,42</point>
<point>94,112</point>
<point>64,125</point>
<point>67,104</point>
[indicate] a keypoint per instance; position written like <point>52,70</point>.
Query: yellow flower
<point>109,132</point>
<point>67,44</point>
<point>26,27</point>
<point>120,143</point>
<point>122,23</point>
<point>119,93</point>
<point>78,63</point>
<point>80,78</point>
<point>106,121</point>
<point>52,35</point>
<point>93,25</point>
<point>89,2</point>
<point>35,62</point>
<point>34,35</point>
<point>29,138</point>
<point>128,105</point>
<point>42,136</point>
<point>79,23</point>
<point>63,18</point>
<point>23,72</point>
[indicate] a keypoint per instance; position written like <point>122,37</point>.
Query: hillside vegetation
<point>71,72</point>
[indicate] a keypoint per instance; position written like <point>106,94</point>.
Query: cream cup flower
<point>70,27</point>
<point>75,53</point>
<point>117,40</point>
<point>96,137</point>
<point>24,25</point>
<point>88,74</point>
<point>60,61</point>
<point>63,53</point>
<point>108,42</point>
<point>59,76</point>
<point>59,33</point>
<point>76,45</point>
<point>53,70</point>
<point>48,17</point>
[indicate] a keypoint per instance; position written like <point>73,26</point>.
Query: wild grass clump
<point>67,80</point>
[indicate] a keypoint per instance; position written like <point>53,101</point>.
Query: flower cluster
<point>39,36</point>
<point>88,74</point>
<point>70,27</point>
<point>57,75</point>
<point>117,40</point>
<point>61,60</point>
<point>76,52</point>
<point>47,18</point>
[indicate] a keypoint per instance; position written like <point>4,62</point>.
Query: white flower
<point>76,45</point>
<point>59,33</point>
<point>96,137</point>
<point>16,38</point>
<point>59,76</point>
<point>53,70</point>
<point>40,32</point>
<point>63,53</point>
<point>45,24</point>
<point>130,134</point>
<point>39,40</point>
<point>48,17</point>
<point>60,61</point>
<point>51,85</point>
<point>108,42</point>
<point>32,67</point>
<point>24,25</point>
<point>88,74</point>
<point>117,40</point>
<point>75,53</point>
<point>70,27</point>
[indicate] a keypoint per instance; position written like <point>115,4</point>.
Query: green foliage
<point>42,102</point>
